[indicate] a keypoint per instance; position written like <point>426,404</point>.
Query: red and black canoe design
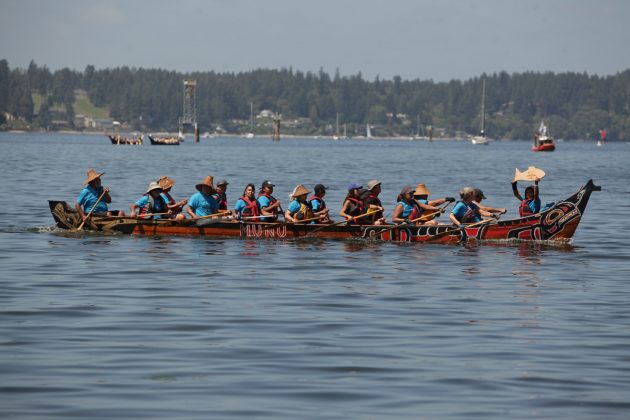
<point>556,224</point>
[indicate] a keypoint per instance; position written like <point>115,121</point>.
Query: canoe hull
<point>557,224</point>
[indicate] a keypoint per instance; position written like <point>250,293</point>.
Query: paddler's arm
<point>396,214</point>
<point>191,212</point>
<point>515,191</point>
<point>536,197</point>
<point>343,210</point>
<point>107,197</point>
<point>80,211</point>
<point>289,217</point>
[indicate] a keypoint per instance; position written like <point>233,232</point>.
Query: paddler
<point>299,208</point>
<point>150,203</point>
<point>220,194</point>
<point>318,205</point>
<point>531,203</point>
<point>352,204</point>
<point>247,207</point>
<point>407,209</point>
<point>174,207</point>
<point>486,210</point>
<point>373,204</point>
<point>421,195</point>
<point>269,206</point>
<point>202,203</point>
<point>88,199</point>
<point>465,211</point>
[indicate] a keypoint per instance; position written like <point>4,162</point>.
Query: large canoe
<point>164,141</point>
<point>556,224</point>
<point>118,139</point>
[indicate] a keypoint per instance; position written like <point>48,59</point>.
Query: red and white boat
<point>543,142</point>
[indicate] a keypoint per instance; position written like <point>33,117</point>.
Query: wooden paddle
<point>92,210</point>
<point>448,232</point>
<point>199,220</point>
<point>309,220</point>
<point>424,217</point>
<point>343,221</point>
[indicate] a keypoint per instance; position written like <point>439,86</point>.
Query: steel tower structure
<point>189,116</point>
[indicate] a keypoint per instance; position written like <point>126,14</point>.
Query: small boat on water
<point>556,224</point>
<point>164,141</point>
<point>543,142</point>
<point>118,139</point>
<point>481,138</point>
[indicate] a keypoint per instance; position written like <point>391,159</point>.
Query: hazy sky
<point>439,39</point>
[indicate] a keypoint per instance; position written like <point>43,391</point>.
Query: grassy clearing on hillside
<point>82,105</point>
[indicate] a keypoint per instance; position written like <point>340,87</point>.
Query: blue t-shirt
<point>203,205</point>
<point>461,209</point>
<point>534,205</point>
<point>159,205</point>
<point>294,207</point>
<point>264,201</point>
<point>88,196</point>
<point>240,205</point>
<point>316,204</point>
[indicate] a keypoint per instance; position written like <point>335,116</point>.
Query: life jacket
<point>469,216</point>
<point>221,201</point>
<point>251,208</point>
<point>356,206</point>
<point>272,200</point>
<point>524,209</point>
<point>322,203</point>
<point>305,211</point>
<point>154,206</point>
<point>415,211</point>
<point>372,199</point>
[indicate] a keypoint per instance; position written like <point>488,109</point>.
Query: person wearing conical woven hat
<point>94,197</point>
<point>175,207</point>
<point>299,208</point>
<point>151,203</point>
<point>202,203</point>
<point>429,207</point>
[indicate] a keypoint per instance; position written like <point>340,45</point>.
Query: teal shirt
<point>88,197</point>
<point>203,205</point>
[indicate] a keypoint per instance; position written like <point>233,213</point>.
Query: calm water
<point>95,326</point>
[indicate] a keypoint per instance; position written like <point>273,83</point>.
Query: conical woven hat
<point>92,175</point>
<point>166,182</point>
<point>299,190</point>
<point>421,189</point>
<point>206,181</point>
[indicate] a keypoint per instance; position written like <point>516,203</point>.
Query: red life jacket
<point>251,208</point>
<point>221,200</point>
<point>271,201</point>
<point>416,212</point>
<point>524,209</point>
<point>322,204</point>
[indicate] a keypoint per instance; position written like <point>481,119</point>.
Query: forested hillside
<point>576,105</point>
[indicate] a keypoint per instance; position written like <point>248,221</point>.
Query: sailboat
<point>481,138</point>
<point>368,131</point>
<point>543,142</point>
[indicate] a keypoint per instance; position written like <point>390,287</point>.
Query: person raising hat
<point>371,202</point>
<point>299,208</point>
<point>352,204</point>
<point>202,203</point>
<point>150,203</point>
<point>269,206</point>
<point>174,207</point>
<point>94,197</point>
<point>318,205</point>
